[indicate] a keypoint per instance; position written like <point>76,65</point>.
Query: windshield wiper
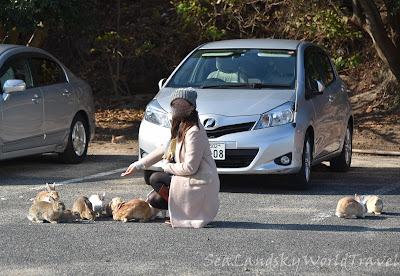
<point>246,85</point>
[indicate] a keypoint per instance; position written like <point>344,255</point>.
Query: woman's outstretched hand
<point>130,170</point>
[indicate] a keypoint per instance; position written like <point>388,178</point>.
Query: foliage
<point>153,36</point>
<point>202,14</point>
<point>29,15</point>
<point>304,20</point>
<point>342,63</point>
<point>326,25</point>
<point>220,19</point>
<point>327,22</point>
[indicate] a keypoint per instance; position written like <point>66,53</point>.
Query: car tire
<point>302,179</point>
<point>342,162</point>
<point>146,175</point>
<point>77,146</point>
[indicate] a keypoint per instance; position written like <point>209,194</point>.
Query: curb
<point>377,152</point>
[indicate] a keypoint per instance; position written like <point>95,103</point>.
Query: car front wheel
<point>76,149</point>
<point>302,179</point>
<point>342,162</point>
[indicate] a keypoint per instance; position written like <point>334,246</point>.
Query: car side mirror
<point>13,86</point>
<point>320,87</point>
<point>161,83</point>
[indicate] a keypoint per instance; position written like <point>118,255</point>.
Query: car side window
<point>47,72</point>
<point>16,68</point>
<point>312,73</point>
<point>329,75</point>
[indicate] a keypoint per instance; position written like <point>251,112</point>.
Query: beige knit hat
<point>187,93</point>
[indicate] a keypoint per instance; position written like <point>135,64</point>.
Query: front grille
<point>237,158</point>
<point>229,129</point>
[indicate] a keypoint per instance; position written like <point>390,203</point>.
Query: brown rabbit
<point>46,195</point>
<point>68,216</point>
<point>43,210</point>
<point>350,208</point>
<point>84,208</point>
<point>118,139</point>
<point>113,205</point>
<point>374,204</point>
<point>136,209</point>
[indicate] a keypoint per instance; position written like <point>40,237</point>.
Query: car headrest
<point>226,64</point>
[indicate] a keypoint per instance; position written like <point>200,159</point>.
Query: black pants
<point>157,180</point>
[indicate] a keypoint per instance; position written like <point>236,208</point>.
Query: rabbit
<point>118,139</point>
<point>350,208</point>
<point>374,204</point>
<point>43,210</point>
<point>45,195</point>
<point>68,216</point>
<point>155,211</point>
<point>97,203</point>
<point>136,209</point>
<point>112,205</point>
<point>84,208</point>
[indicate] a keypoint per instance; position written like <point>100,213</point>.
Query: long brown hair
<point>180,127</point>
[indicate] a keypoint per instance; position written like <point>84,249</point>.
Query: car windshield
<point>237,68</point>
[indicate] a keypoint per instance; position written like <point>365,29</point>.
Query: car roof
<point>259,43</point>
<point>6,47</point>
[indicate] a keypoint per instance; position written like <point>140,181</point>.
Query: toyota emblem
<point>210,123</point>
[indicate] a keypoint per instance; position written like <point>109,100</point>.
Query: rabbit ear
<point>87,201</point>
<point>357,198</point>
<point>119,206</point>
<point>48,187</point>
<point>54,186</point>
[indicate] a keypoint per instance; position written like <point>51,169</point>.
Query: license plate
<point>217,150</point>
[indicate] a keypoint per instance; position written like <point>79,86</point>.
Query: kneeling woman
<point>189,185</point>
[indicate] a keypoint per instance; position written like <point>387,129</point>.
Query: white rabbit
<point>97,203</point>
<point>349,207</point>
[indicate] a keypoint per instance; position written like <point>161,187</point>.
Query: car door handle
<point>66,93</point>
<point>36,98</point>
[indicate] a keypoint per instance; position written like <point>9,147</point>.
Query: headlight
<point>156,115</point>
<point>279,116</point>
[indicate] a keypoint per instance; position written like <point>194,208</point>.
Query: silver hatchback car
<point>43,106</point>
<point>268,106</point>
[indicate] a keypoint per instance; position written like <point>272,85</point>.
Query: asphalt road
<point>262,228</point>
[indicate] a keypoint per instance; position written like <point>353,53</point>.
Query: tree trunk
<point>394,20</point>
<point>2,35</point>
<point>385,47</point>
<point>38,37</point>
<point>357,17</point>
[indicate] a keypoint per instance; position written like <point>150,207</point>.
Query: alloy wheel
<point>79,138</point>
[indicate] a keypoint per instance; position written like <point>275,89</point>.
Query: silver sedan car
<point>268,106</point>
<point>44,107</point>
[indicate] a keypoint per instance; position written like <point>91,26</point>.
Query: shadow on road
<point>47,168</point>
<point>359,180</point>
<point>298,227</point>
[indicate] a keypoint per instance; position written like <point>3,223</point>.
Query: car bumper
<point>248,152</point>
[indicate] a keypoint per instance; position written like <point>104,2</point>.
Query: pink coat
<point>193,196</point>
